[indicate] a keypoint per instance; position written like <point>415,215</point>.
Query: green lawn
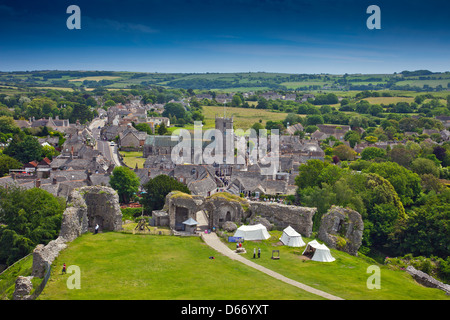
<point>116,265</point>
<point>131,158</point>
<point>122,266</point>
<point>346,277</point>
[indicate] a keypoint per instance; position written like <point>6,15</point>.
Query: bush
<point>130,213</point>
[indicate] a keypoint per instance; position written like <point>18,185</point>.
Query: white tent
<point>253,232</point>
<point>291,238</point>
<point>321,252</point>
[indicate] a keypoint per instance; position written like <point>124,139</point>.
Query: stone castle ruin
<point>222,208</point>
<point>86,207</point>
<point>342,229</point>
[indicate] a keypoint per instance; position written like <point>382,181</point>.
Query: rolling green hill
<point>243,81</point>
<point>125,266</point>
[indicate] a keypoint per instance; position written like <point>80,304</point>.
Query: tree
<point>162,130</point>
<point>81,112</point>
<point>314,119</point>
<point>405,182</point>
<point>24,150</point>
<point>143,127</point>
<point>174,109</point>
<point>125,182</point>
<point>352,137</point>
<point>344,152</point>
<point>371,153</point>
<point>424,166</point>
<point>236,101</point>
<point>308,174</point>
<point>49,152</point>
<point>157,189</point>
<point>401,155</point>
<point>6,163</point>
<point>8,125</point>
<point>29,217</point>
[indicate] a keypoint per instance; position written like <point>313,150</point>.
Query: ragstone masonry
<point>342,229</point>
<point>86,207</point>
<point>282,216</point>
<point>224,207</point>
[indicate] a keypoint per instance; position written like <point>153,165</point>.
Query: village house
<point>445,121</point>
<point>294,128</point>
<point>271,95</point>
<point>337,131</point>
<point>132,139</point>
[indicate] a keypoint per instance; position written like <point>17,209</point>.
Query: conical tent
<point>253,232</point>
<point>321,252</point>
<point>291,238</point>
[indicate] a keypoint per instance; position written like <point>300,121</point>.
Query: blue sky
<point>290,36</point>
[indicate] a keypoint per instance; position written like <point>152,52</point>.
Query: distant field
<point>295,85</point>
<point>96,78</point>
<point>421,83</point>
<point>388,100</point>
<point>244,118</point>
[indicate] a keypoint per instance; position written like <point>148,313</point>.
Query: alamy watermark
<point>374,281</point>
<point>74,281</point>
<point>74,20</point>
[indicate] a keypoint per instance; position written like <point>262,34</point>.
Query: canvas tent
<point>291,238</point>
<point>319,252</point>
<point>190,225</point>
<point>253,232</point>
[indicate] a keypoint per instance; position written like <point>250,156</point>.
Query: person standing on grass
<point>259,253</point>
<point>254,253</point>
<point>64,269</point>
<point>96,229</point>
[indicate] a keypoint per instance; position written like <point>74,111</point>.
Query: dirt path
<point>214,242</point>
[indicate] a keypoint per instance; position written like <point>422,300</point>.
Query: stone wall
<point>221,209</point>
<point>342,229</point>
<point>426,280</point>
<point>86,207</point>
<point>182,206</point>
<point>224,207</point>
<point>282,216</point>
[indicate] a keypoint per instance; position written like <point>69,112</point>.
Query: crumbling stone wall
<point>43,256</point>
<point>85,207</point>
<point>181,206</point>
<point>342,229</point>
<point>282,216</point>
<point>426,280</point>
<point>23,287</point>
<point>88,206</point>
<point>221,209</point>
<point>103,207</point>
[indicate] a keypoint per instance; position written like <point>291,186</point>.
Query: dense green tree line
<point>27,218</point>
<point>399,215</point>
